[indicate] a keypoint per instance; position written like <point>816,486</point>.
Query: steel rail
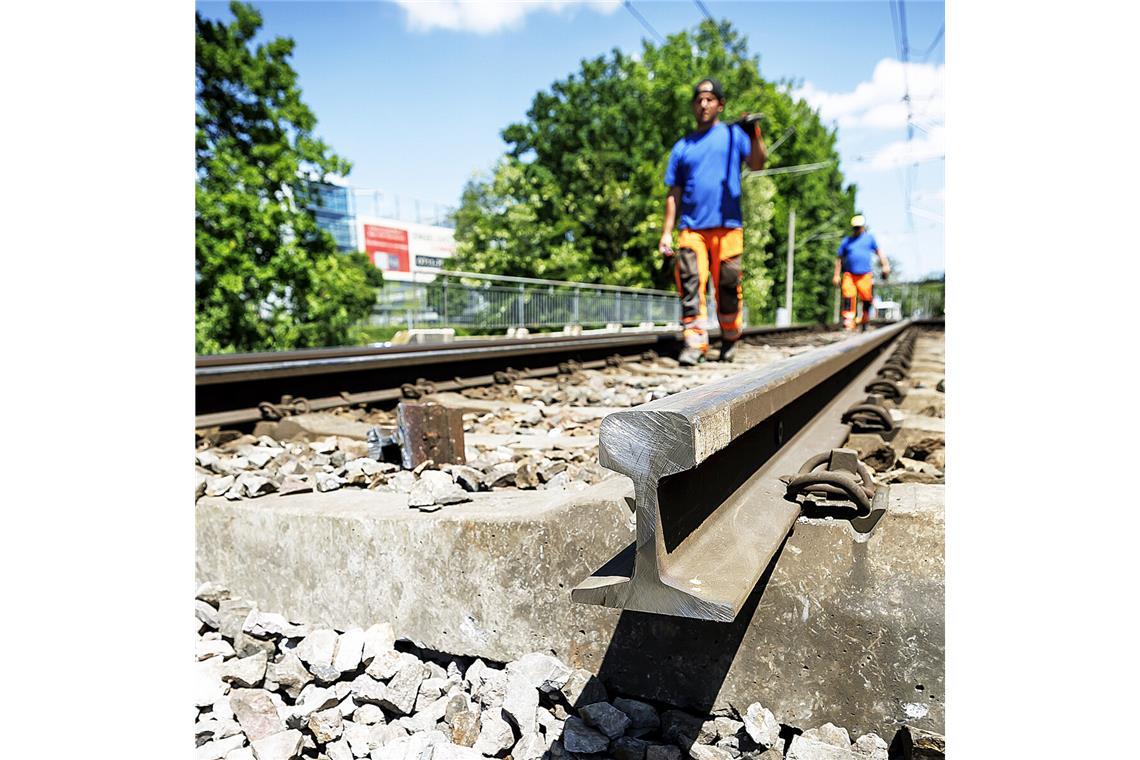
<point>705,464</point>
<point>229,368</point>
<point>439,353</point>
<point>252,414</point>
<point>231,388</point>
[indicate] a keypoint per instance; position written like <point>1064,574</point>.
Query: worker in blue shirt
<point>853,262</point>
<point>703,178</point>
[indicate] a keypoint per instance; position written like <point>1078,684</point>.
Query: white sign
<point>427,247</point>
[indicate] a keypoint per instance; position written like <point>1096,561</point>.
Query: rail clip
<point>891,372</point>
<point>844,481</point>
<point>870,416</point>
<point>287,408</point>
<point>417,390</point>
<point>886,388</point>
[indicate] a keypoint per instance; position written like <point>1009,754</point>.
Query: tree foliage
<point>267,276</point>
<point>579,193</point>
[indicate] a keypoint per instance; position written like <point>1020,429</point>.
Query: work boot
<point>690,357</point>
<point>728,351</point>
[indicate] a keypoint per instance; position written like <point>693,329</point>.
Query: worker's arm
<point>838,270</point>
<point>759,153</point>
<point>672,200</point>
<point>883,263</point>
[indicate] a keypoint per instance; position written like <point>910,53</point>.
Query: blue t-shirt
<point>856,253</point>
<point>706,166</point>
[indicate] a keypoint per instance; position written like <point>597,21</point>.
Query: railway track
<point>787,525</point>
<point>237,389</point>
<point>709,467</point>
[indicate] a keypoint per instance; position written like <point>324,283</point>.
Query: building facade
<point>331,205</point>
<point>363,220</point>
<point>405,251</point>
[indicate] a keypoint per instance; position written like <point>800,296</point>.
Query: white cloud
<point>487,16</point>
<point>924,147</point>
<point>878,103</point>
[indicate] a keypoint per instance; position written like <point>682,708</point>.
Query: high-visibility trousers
<point>856,287</point>
<point>719,251</point>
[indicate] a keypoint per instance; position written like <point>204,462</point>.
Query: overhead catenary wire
<point>902,48</point>
<point>823,231</point>
<point>644,22</point>
<point>787,133</point>
<point>921,212</point>
<point>937,37</point>
<point>704,10</point>
<point>708,15</point>
<point>797,169</point>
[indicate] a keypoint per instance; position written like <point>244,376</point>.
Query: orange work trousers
<point>700,252</point>
<point>856,286</point>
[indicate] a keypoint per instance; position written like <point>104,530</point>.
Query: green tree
<point>579,194</point>
<point>266,276</point>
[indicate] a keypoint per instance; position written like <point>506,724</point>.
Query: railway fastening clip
<point>843,476</point>
<point>871,415</point>
<point>287,408</point>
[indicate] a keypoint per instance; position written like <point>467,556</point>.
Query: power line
<point>902,46</point>
<point>787,133</point>
<point>798,169</point>
<point>708,15</point>
<point>704,10</point>
<point>637,15</point>
<point>930,101</point>
<point>821,233</point>
<point>895,28</point>
<point>898,16</point>
<point>926,214</point>
<point>937,37</point>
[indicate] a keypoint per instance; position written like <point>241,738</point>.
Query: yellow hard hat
<point>858,221</point>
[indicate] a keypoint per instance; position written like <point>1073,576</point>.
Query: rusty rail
<point>711,511</point>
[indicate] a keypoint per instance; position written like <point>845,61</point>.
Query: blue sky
<point>415,94</point>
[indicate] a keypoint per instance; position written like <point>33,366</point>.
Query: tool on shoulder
<point>749,122</point>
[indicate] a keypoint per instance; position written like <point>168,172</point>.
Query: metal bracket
<point>898,360</point>
<point>886,388</point>
<point>419,389</point>
<point>429,431</point>
<point>507,376</point>
<point>287,408</point>
<point>569,367</point>
<point>891,372</point>
<point>838,479</point>
<point>870,416</point>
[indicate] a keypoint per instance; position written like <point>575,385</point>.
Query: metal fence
<point>483,302</point>
<point>914,299</point>
<point>496,302</point>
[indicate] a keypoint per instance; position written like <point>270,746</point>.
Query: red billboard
<point>387,247</point>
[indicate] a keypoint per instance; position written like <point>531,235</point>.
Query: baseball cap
<point>858,221</point>
<point>708,84</point>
